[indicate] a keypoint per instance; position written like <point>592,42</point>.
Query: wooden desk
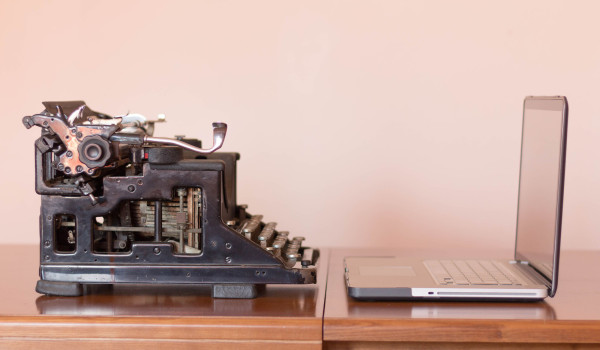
<point>151,317</point>
<point>571,317</point>
<point>185,317</point>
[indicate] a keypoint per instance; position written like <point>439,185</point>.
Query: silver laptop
<point>533,272</point>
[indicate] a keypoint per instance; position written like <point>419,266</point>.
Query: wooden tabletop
<point>572,316</point>
<point>154,317</point>
<point>185,317</point>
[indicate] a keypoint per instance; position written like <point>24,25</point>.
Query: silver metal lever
<point>219,132</point>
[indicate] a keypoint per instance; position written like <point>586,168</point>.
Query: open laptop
<point>532,274</point>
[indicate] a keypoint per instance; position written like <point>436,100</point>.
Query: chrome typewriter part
<point>122,206</point>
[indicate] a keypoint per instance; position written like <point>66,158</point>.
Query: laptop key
<point>470,272</point>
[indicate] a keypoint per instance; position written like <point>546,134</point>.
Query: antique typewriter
<point>119,205</point>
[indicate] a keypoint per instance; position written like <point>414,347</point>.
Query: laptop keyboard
<point>471,272</point>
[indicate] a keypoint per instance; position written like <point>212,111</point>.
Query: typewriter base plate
<point>219,291</point>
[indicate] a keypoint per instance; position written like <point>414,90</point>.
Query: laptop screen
<point>541,183</point>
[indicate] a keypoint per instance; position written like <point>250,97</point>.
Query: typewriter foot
<point>64,289</point>
<point>235,291</point>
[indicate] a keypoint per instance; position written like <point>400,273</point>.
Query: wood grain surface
<point>297,317</point>
<point>572,316</point>
<point>156,317</point>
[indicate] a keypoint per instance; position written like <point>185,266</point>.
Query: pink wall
<point>359,122</point>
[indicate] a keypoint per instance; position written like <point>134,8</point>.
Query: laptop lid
<point>541,183</point>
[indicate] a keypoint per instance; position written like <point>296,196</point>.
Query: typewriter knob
<point>94,151</point>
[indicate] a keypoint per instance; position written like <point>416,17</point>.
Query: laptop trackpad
<point>387,270</point>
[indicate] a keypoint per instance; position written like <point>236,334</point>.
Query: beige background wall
<point>359,122</point>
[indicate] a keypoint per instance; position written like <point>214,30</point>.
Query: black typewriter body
<point>121,206</point>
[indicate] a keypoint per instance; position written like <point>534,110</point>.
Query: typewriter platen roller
<point>122,206</point>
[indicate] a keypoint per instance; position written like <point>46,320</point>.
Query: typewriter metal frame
<point>235,251</point>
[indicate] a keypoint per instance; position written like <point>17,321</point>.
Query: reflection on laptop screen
<point>540,184</point>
